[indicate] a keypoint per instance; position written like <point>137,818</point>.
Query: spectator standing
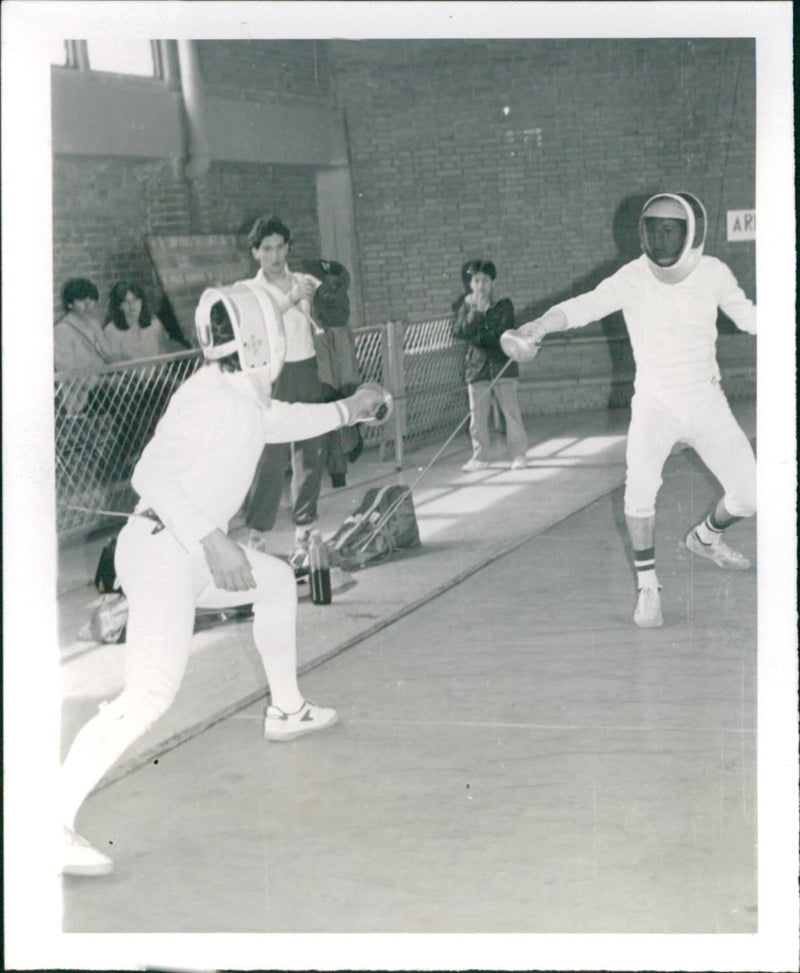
<point>270,243</point>
<point>480,320</point>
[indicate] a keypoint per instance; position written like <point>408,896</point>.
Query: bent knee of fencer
<point>740,504</point>
<point>279,589</point>
<point>640,498</point>
<point>139,709</point>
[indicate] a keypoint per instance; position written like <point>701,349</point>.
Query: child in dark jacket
<point>480,321</point>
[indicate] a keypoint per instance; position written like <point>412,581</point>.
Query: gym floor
<point>513,756</point>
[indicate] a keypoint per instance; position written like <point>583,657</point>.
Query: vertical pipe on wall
<point>337,230</point>
<point>193,92</point>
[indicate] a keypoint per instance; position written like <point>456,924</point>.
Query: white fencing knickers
<point>703,420</point>
<point>163,585</point>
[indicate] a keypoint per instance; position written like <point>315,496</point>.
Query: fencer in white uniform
<point>669,297</point>
<point>174,554</point>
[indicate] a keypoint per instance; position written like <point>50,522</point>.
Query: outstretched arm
<point>609,295</point>
<point>523,344</point>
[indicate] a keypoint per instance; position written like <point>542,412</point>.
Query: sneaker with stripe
<point>280,726</point>
<point>721,555</point>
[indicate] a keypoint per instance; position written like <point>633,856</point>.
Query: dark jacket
<point>331,306</point>
<point>482,330</point>
<point>335,351</point>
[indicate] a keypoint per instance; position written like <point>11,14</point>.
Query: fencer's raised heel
<point>719,553</point>
<point>647,613</point>
<point>280,726</point>
<point>79,857</point>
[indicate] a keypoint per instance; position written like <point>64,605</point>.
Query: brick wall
<point>250,69</point>
<point>103,207</point>
<point>441,173</point>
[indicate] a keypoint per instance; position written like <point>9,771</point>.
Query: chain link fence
<point>104,418</point>
<point>433,375</point>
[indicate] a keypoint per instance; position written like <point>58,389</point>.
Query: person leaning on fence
<point>131,331</point>
<point>270,241</point>
<point>480,321</point>
<point>79,344</point>
<point>78,337</point>
<point>175,553</point>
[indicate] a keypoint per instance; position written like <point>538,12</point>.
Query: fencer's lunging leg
<point>160,623</point>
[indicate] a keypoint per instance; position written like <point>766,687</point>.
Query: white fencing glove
<point>522,344</point>
<point>303,288</point>
<point>369,403</point>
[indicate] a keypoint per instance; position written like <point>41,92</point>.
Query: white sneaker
<point>647,613</point>
<point>280,726</point>
<point>519,463</point>
<point>722,555</point>
<point>81,858</point>
<point>474,466</point>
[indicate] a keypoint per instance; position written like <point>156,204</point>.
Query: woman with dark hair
<point>131,331</point>
<point>480,321</point>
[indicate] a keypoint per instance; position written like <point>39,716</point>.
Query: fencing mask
<point>672,230</point>
<point>256,333</point>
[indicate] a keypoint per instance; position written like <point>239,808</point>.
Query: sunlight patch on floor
<point>591,445</point>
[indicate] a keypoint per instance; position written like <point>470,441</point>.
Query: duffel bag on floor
<point>384,524</point>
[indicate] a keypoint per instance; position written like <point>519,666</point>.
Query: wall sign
<point>741,225</point>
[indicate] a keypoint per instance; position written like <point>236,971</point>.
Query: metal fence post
<point>392,354</point>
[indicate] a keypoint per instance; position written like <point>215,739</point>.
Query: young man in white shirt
<point>270,243</point>
<point>669,297</point>
<point>174,553</point>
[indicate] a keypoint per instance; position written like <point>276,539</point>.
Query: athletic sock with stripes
<point>711,530</point>
<point>645,563</point>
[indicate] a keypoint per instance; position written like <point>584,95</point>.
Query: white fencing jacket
<point>196,470</point>
<point>672,327</point>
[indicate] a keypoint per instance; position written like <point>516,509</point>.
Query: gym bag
<point>357,543</point>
